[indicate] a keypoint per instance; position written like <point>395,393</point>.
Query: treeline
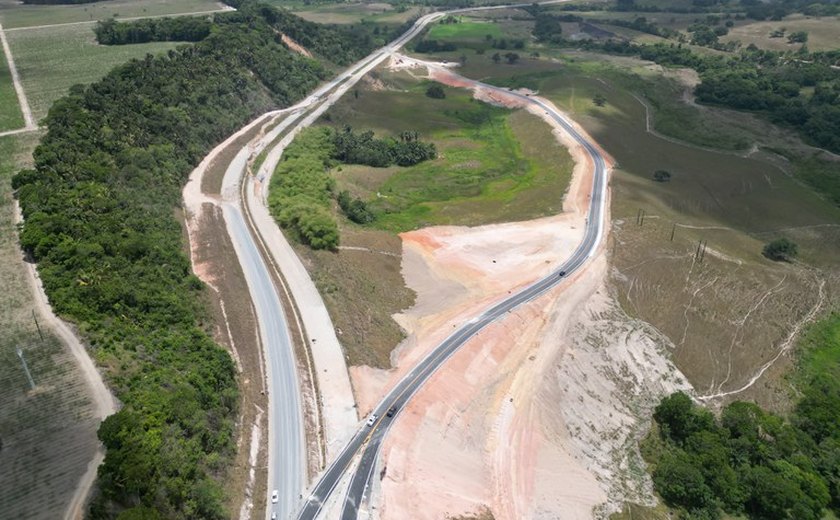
<point>800,90</point>
<point>750,462</point>
<point>301,191</point>
<point>99,207</point>
<point>754,9</point>
<point>178,29</point>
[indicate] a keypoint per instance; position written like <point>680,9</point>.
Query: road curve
<point>411,383</point>
<point>286,469</point>
<point>420,374</point>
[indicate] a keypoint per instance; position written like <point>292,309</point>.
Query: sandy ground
<point>538,416</point>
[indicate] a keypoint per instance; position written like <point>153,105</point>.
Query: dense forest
<point>99,208</point>
<point>750,462</point>
<point>301,192</point>
<point>180,29</point>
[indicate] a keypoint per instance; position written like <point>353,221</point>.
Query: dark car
<point>561,274</point>
<point>391,411</point>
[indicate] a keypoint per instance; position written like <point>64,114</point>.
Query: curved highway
<point>414,380</point>
<point>286,453</point>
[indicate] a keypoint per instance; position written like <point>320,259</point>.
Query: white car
<point>372,419</point>
<point>274,496</point>
<point>273,516</point>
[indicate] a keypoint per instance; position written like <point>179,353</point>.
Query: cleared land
<point>11,117</point>
<point>464,30</point>
<point>48,70</point>
<point>14,15</point>
<point>48,433</point>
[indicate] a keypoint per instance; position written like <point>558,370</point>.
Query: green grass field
<point>13,14</point>
<point>464,30</point>
<point>493,166</point>
<point>48,70</point>
<point>11,117</point>
<point>821,349</point>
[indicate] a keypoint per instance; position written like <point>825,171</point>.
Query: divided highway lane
<point>414,380</point>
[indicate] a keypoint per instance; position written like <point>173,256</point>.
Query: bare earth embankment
<point>539,414</point>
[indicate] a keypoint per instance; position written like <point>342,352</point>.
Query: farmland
<point>14,15</point>
<point>48,432</point>
<point>48,71</point>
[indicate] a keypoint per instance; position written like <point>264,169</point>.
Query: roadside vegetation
<point>99,204</point>
<point>181,29</point>
<point>302,190</point>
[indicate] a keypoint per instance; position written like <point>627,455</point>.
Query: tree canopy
<point>99,207</point>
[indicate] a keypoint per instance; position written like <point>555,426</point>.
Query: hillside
<point>100,206</point>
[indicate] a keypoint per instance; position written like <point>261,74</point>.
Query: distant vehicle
<point>372,419</point>
<point>274,497</point>
<point>561,274</point>
<point>391,411</point>
<point>273,515</point>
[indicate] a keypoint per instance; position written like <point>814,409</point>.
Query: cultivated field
<point>48,70</point>
<point>48,432</point>
<point>11,117</point>
<point>13,14</point>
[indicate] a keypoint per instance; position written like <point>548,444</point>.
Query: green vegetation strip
<point>99,208</point>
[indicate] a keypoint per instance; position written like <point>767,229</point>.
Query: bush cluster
<point>751,462</point>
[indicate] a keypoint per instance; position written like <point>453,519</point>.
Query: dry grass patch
<point>362,286</point>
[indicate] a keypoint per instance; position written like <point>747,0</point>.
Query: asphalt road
<point>415,379</point>
<point>286,464</point>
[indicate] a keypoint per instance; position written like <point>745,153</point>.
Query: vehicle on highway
<point>561,274</point>
<point>391,411</point>
<point>273,515</point>
<point>372,419</point>
<point>274,496</point>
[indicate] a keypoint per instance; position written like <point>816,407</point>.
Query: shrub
<point>781,250</point>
